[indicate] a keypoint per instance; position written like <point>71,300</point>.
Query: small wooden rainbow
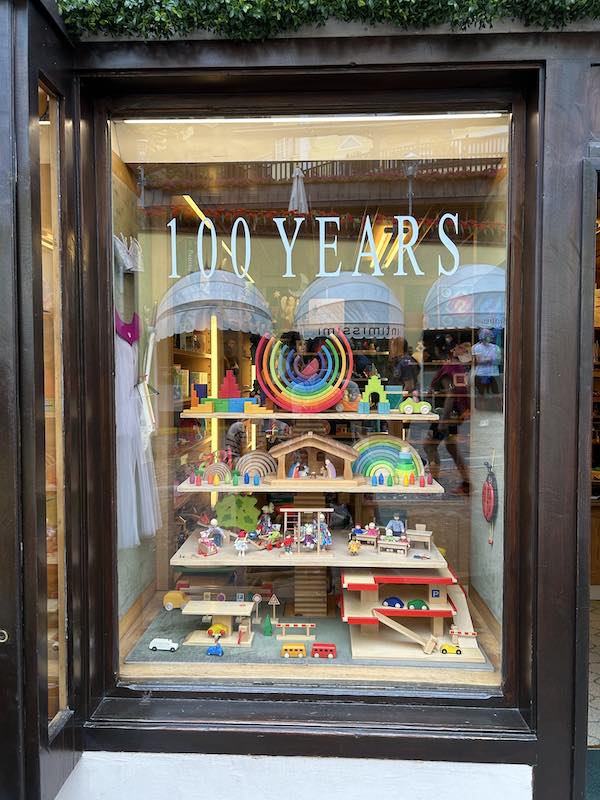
<point>304,384</point>
<point>218,470</point>
<point>388,455</point>
<point>256,463</point>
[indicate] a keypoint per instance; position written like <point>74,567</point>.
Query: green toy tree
<point>267,626</point>
<point>237,511</point>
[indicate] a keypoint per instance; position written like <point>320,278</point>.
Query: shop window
<point>53,401</point>
<point>310,320</point>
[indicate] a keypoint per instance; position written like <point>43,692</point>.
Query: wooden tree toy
<point>267,626</point>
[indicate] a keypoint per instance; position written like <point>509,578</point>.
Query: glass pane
<point>309,346</point>
<point>53,399</point>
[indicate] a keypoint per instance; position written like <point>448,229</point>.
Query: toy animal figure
<point>324,532</point>
<point>241,545</point>
<point>395,526</point>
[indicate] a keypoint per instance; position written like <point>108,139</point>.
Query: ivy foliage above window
<point>263,19</point>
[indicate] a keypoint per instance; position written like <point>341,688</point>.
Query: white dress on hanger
<point>138,510</point>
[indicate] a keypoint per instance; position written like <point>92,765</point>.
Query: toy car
<point>450,649</point>
<point>163,644</point>
<point>174,599</point>
<point>323,650</point>
<point>412,406</point>
<point>214,650</point>
<point>393,602</point>
<point>418,605</point>
<point>218,630</point>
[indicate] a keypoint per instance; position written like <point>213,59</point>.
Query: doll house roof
<point>310,439</point>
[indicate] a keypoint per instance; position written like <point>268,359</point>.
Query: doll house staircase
<point>310,583</point>
<point>310,592</point>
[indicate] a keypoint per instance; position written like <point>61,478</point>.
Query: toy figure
<point>265,525</point>
<point>353,545</point>
<point>206,546</point>
<point>395,526</point>
<point>241,545</point>
<point>308,540</point>
<point>356,531</point>
<point>288,543</point>
<point>330,469</point>
<point>324,532</point>
<point>215,533</point>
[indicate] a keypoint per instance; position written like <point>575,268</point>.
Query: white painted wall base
<point>149,776</point>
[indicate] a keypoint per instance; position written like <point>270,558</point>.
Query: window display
<point>309,379</point>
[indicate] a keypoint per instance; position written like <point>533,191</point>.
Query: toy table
<point>419,534</point>
<point>222,612</point>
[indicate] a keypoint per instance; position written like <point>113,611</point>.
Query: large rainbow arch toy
<point>388,455</point>
<point>294,385</point>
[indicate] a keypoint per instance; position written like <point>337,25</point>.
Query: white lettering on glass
<point>172,226</point>
<point>214,247</point>
<point>448,244</point>
<point>408,236</point>
<point>287,245</point>
<point>370,252</point>
<point>323,245</point>
<point>248,251</point>
<point>407,246</point>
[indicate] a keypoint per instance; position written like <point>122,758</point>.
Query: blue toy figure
<point>214,650</point>
<point>356,530</point>
<point>324,532</point>
<point>246,477</point>
<point>395,526</point>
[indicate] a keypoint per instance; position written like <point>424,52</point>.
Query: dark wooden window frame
<point>392,721</point>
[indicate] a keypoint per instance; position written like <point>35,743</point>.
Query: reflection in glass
<point>53,400</point>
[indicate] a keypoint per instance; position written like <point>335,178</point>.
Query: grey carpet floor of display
<point>264,650</point>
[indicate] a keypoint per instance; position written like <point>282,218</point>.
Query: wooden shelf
<point>337,556</point>
<point>191,353</point>
<point>370,352</point>
<point>347,416</point>
<point>301,485</point>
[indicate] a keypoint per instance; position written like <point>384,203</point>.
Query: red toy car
<point>323,650</point>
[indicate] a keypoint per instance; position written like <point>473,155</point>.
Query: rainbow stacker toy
<point>303,384</point>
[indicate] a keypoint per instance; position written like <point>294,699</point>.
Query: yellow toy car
<point>450,650</point>
<point>218,629</point>
<point>174,599</point>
